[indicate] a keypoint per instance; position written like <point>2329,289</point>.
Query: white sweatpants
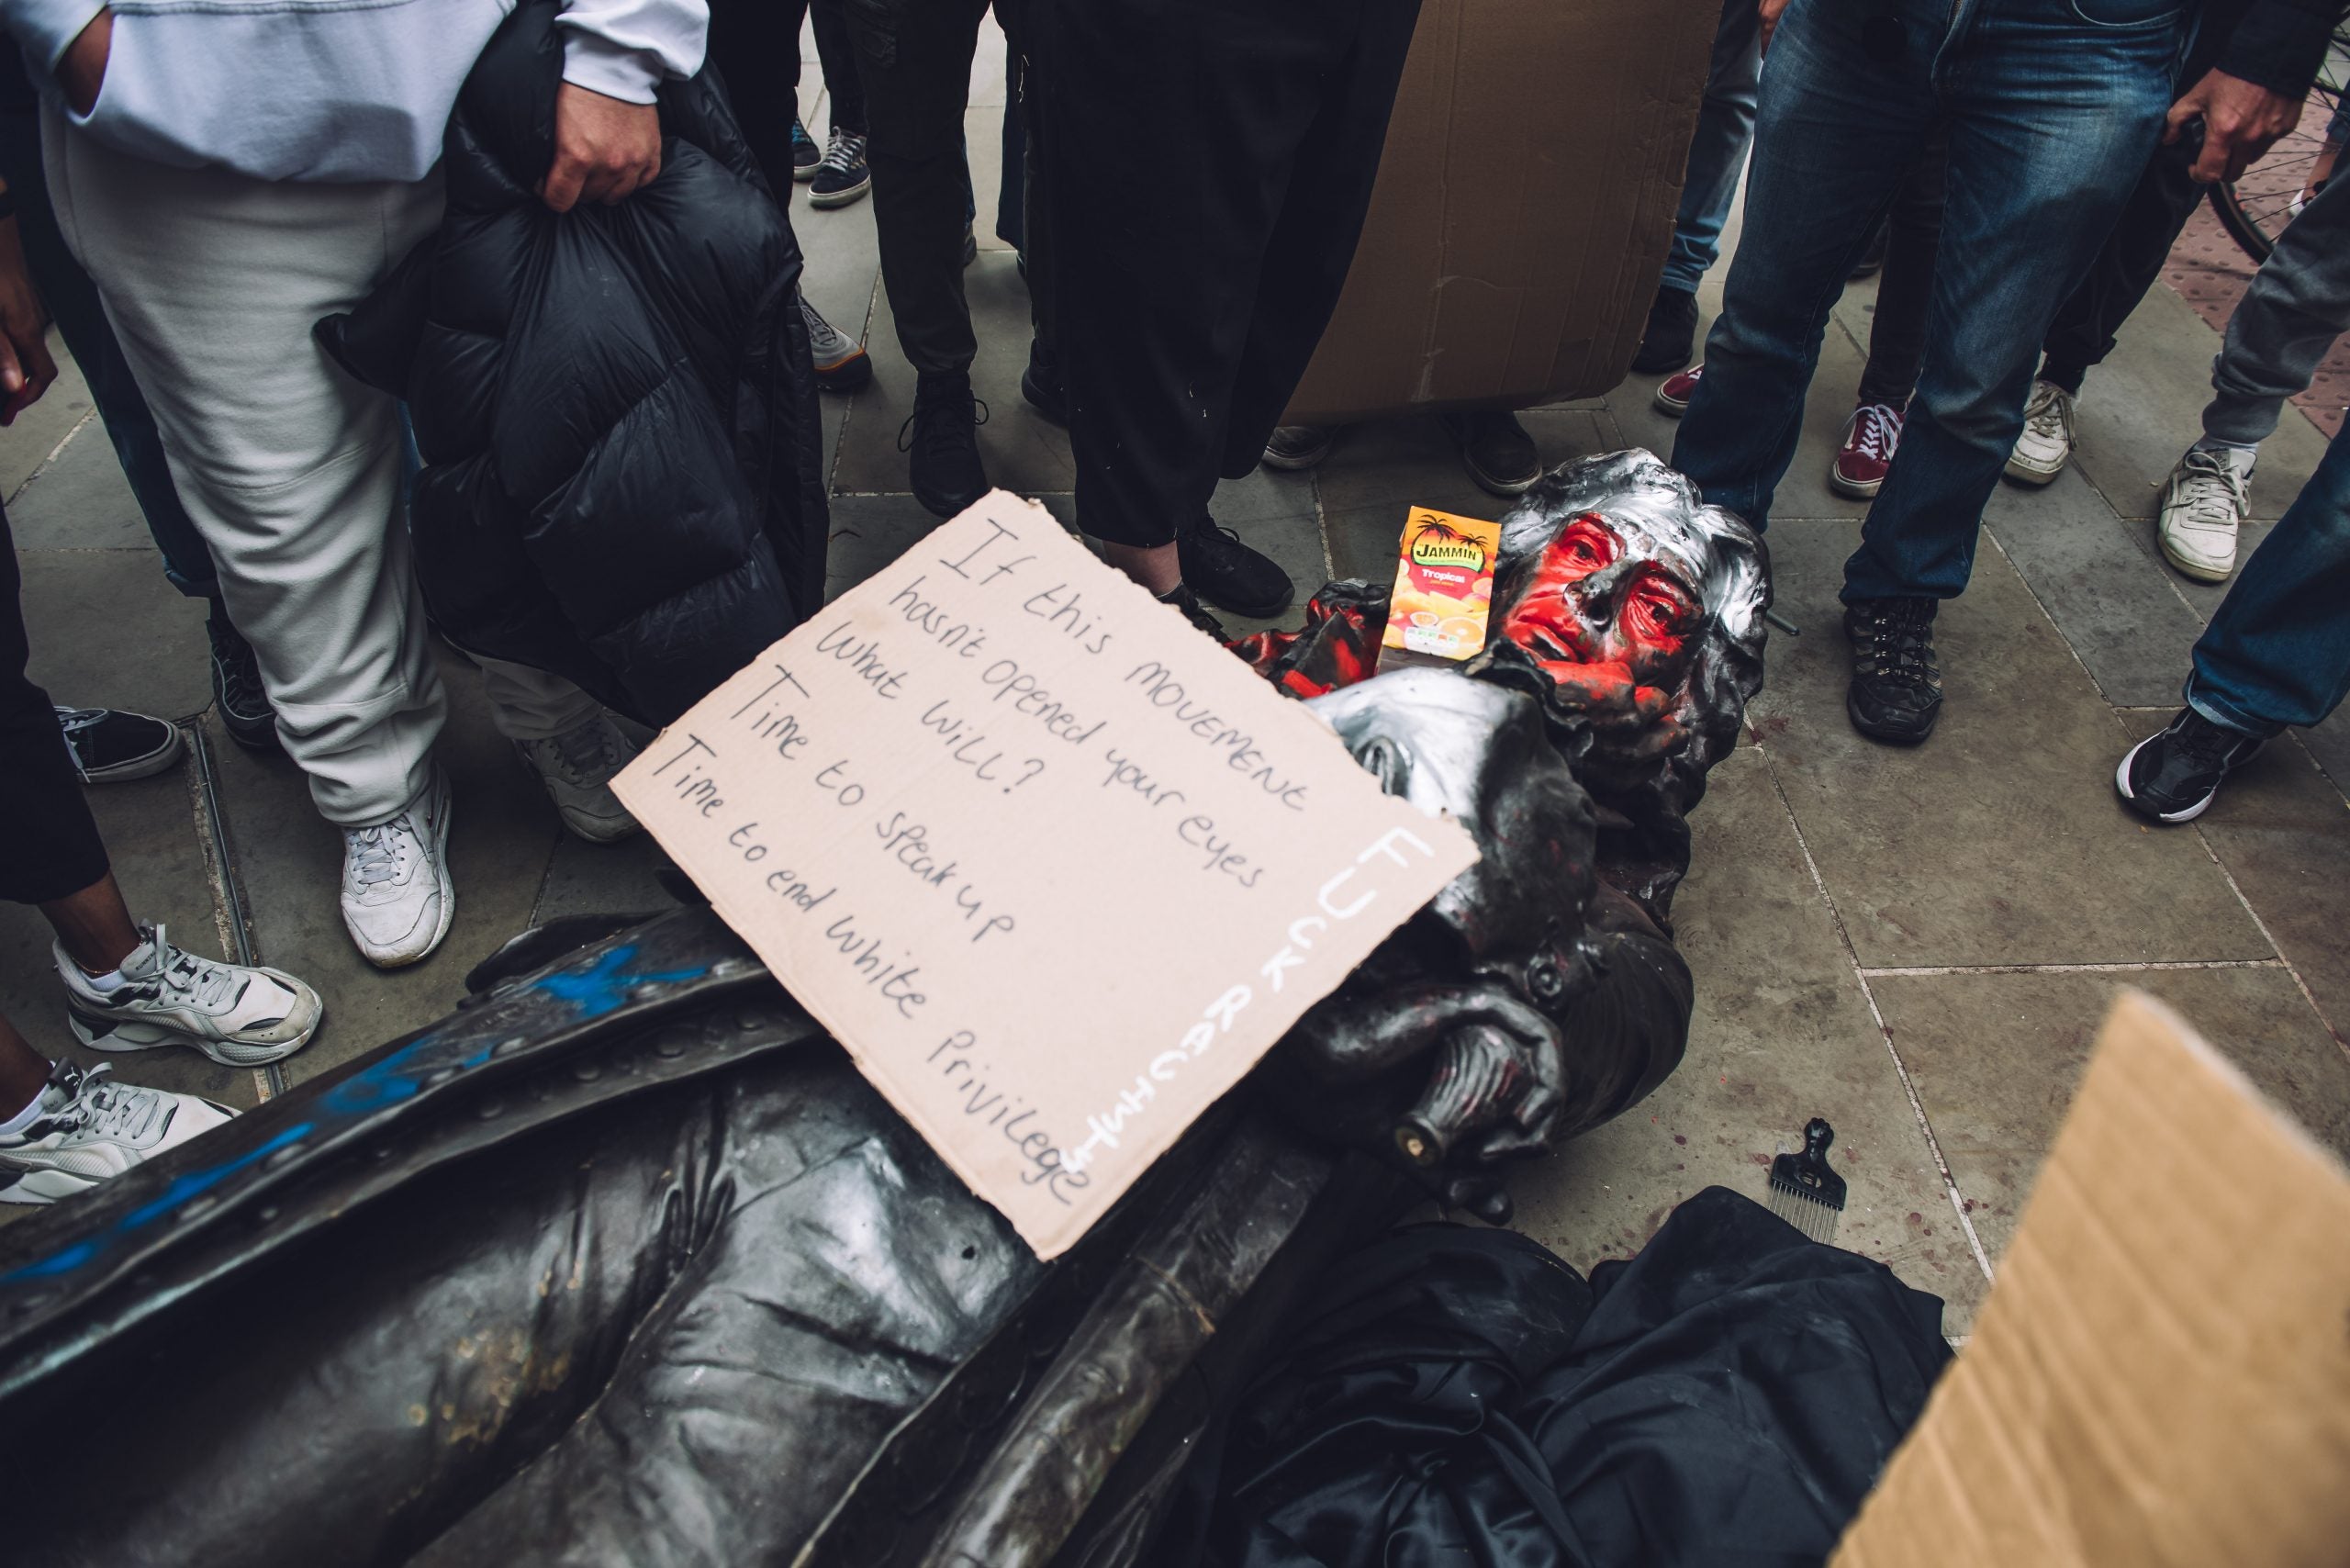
<point>289,468</point>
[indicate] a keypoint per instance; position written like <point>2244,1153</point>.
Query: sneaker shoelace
<point>96,1106</point>
<point>1876,430</point>
<point>914,432</point>
<point>845,152</point>
<point>825,342</point>
<point>2210,489</point>
<point>586,755</point>
<point>1898,646</point>
<point>2206,747</point>
<point>2049,415</point>
<point>378,854</point>
<point>188,976</point>
<point>1217,545</point>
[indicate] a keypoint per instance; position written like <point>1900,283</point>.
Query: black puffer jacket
<point>623,478</point>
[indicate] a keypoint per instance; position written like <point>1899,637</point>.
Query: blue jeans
<point>2052,107</point>
<point>1717,152</point>
<point>2278,650</point>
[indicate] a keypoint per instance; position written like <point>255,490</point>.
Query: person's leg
<point>1836,131</point>
<point>73,302</point>
<point>290,469</point>
<point>2050,117</point>
<point>2278,651</point>
<point>1166,138</point>
<point>1905,288</point>
<point>50,846</point>
<point>2297,304</point>
<point>915,63</point>
<point>2126,266</point>
<point>1718,149</point>
<point>836,56</point>
<point>1717,158</point>
<point>754,44</point>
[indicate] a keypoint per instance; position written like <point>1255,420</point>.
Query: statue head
<point>1635,613</point>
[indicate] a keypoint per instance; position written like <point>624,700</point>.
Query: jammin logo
<point>1441,544</point>
<point>1444,588</point>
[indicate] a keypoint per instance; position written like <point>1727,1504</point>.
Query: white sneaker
<point>577,767</point>
<point>2202,506</point>
<point>2047,439</point>
<point>238,1016</point>
<point>397,901</point>
<point>91,1127</point>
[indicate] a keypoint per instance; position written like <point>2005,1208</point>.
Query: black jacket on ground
<point>623,474</point>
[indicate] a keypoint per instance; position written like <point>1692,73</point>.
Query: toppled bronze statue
<point>623,1263</point>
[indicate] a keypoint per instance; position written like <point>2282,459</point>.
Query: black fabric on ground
<point>49,842</point>
<point>1727,1397</point>
<point>623,478</point>
<point>1201,172</point>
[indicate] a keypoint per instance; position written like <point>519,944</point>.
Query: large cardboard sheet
<point>2161,1374</point>
<point>1054,867</point>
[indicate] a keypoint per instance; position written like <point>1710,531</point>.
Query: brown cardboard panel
<point>1524,205</point>
<point>2161,1372</point>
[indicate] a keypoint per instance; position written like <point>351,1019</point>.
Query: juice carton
<point>1444,590</point>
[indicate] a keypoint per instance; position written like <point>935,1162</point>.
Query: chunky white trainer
<point>2046,443</point>
<point>2203,505</point>
<point>397,901</point>
<point>577,768</point>
<point>238,1015</point>
<point>89,1127</point>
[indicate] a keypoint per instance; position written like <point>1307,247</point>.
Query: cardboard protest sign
<point>1055,869</point>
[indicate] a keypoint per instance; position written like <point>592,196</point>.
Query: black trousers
<point>915,56</point>
<point>49,842</point>
<point>1204,169</point>
<point>755,46</point>
<point>1906,287</point>
<point>2082,332</point>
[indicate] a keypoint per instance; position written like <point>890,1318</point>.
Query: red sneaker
<point>1672,398</point>
<point>1871,436</point>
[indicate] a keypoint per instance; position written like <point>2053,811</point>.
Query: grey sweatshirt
<point>329,90</point>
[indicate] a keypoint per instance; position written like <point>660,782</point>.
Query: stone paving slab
<point>1976,848</point>
<point>2281,831</point>
<point>1994,1057</point>
<point>1783,1033</point>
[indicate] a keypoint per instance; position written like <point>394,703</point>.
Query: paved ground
<point>1916,944</point>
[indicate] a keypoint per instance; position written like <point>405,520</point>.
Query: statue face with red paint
<point>1632,600</point>
<point>1602,606</point>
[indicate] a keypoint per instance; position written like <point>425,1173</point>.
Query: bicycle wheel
<point>2255,207</point>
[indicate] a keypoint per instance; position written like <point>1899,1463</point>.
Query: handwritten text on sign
<point>1054,867</point>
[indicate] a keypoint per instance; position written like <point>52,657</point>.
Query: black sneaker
<point>842,363</point>
<point>2173,776</point>
<point>944,469</point>
<point>237,692</point>
<point>109,748</point>
<point>805,154</point>
<point>1292,449</point>
<point>1229,574</point>
<point>1182,597</point>
<point>1670,340</point>
<point>841,176</point>
<point>970,245</point>
<point>1496,450</point>
<point>1897,690</point>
